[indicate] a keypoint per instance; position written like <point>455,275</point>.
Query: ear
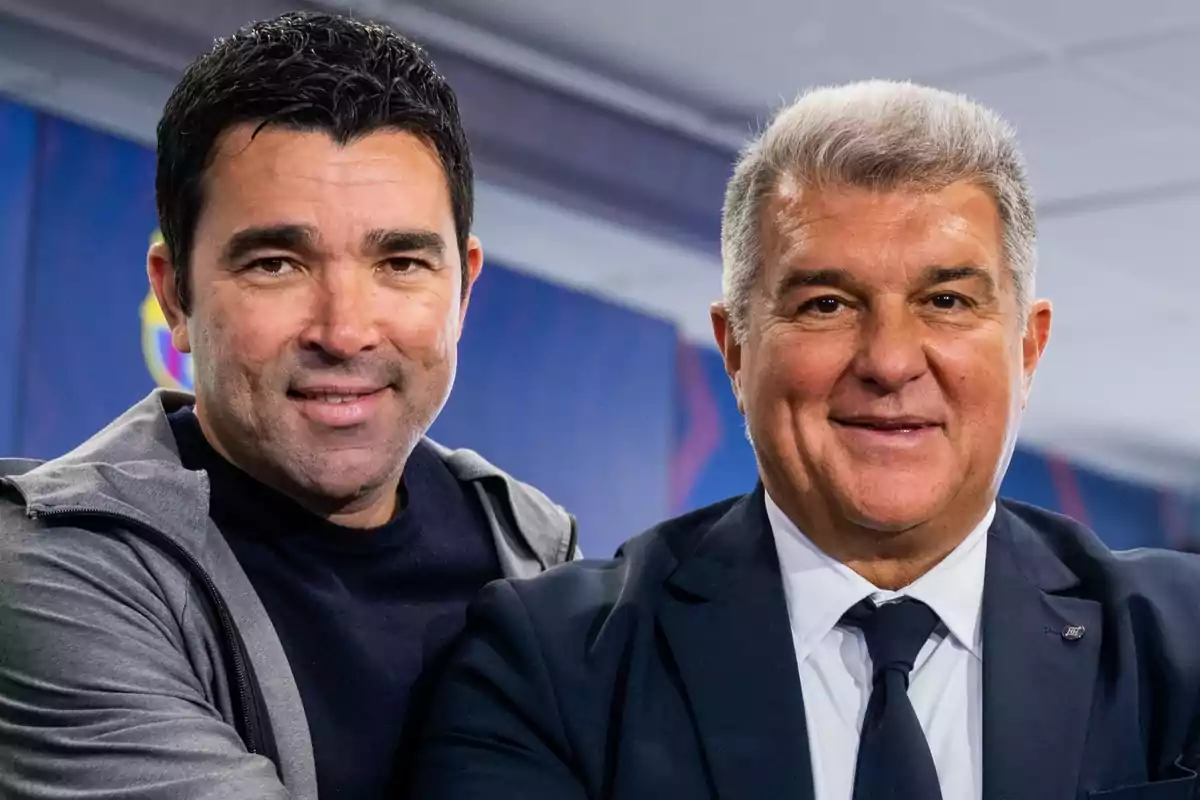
<point>730,347</point>
<point>474,261</point>
<point>1033,344</point>
<point>161,271</point>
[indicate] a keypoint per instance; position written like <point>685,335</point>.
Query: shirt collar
<point>820,590</point>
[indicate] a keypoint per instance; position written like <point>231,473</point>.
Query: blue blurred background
<point>584,367</point>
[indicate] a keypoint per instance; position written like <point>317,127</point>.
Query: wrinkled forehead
<point>881,235</point>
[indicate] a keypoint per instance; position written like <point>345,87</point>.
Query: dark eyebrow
<point>295,238</point>
<point>836,278</point>
<point>400,241</point>
<point>935,276</point>
<point>832,277</point>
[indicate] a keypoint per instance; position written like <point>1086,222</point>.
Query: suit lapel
<point>1040,655</point>
<point>725,620</point>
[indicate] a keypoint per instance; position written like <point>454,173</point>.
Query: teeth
<point>336,399</point>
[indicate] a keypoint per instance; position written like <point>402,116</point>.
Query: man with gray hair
<point>870,622</point>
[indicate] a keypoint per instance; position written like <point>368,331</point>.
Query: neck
<point>890,558</point>
<point>896,572</point>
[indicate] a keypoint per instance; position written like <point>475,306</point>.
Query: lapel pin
<point>1073,633</point>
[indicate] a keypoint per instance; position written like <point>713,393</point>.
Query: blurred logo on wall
<point>170,368</point>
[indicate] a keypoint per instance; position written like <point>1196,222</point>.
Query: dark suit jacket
<point>669,672</point>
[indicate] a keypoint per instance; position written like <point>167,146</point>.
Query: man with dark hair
<point>238,594</point>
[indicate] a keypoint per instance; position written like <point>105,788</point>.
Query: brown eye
<point>946,302</point>
<point>271,266</point>
<point>823,306</point>
<point>402,265</point>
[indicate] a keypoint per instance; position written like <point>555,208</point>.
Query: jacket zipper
<point>245,697</point>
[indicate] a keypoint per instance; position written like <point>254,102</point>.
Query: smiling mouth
<point>338,407</point>
<point>896,426</point>
<point>333,397</point>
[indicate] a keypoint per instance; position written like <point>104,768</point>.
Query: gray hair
<point>876,135</point>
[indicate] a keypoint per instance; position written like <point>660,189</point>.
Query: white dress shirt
<point>946,687</point>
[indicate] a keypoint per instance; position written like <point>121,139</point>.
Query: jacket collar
<point>725,621</point>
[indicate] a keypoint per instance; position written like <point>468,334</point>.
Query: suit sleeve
<point>98,695</point>
<point>494,730</point>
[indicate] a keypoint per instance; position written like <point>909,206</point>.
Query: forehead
<point>386,179</point>
<point>881,235</point>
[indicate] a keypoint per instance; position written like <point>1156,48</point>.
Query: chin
<point>343,490</point>
<point>344,479</point>
<point>349,486</point>
<point>888,520</point>
<point>895,505</point>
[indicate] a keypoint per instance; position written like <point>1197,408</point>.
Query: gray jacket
<point>136,659</point>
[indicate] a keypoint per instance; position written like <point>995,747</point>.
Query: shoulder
<point>467,466</point>
<point>1153,587</point>
<point>547,527</point>
<point>17,466</point>
<point>592,597</point>
<point>73,565</point>
<point>1083,551</point>
<point>1164,582</point>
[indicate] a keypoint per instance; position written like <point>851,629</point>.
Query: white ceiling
<point>1105,95</point>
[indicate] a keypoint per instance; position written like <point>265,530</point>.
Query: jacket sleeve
<point>574,551</point>
<point>494,730</point>
<point>99,695</point>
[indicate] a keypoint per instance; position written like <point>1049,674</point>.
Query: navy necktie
<point>894,762</point>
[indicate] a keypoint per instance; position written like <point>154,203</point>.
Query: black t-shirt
<point>361,613</point>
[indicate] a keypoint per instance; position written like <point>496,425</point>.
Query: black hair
<point>308,71</point>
